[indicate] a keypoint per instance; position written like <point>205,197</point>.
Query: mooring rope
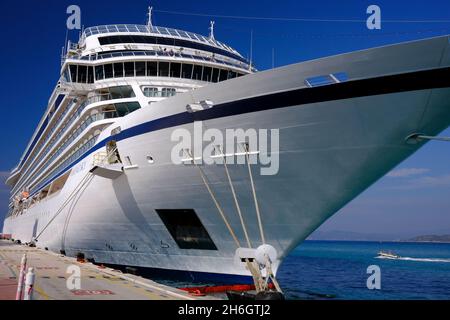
<point>255,199</point>
<point>78,187</point>
<point>66,202</point>
<point>238,208</point>
<point>219,208</point>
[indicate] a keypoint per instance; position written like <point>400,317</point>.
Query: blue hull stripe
<point>419,80</point>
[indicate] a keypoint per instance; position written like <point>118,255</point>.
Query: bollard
<point>23,267</point>
<point>29,285</point>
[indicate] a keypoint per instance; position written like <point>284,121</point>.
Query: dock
<point>96,282</point>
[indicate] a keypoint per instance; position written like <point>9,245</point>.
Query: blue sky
<point>414,199</point>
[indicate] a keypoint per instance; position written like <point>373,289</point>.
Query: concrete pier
<point>55,279</point>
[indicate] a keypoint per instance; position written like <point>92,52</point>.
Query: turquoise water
<point>337,270</point>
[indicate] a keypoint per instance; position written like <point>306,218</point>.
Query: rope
<point>216,202</point>
<point>447,139</point>
<point>65,203</point>
<point>258,214</point>
<point>236,201</point>
<point>79,186</point>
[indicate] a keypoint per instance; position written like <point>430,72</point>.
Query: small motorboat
<point>387,255</point>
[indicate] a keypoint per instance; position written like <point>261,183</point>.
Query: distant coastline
<point>430,238</point>
<point>355,236</point>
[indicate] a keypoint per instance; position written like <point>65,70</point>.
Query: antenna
<point>65,42</point>
<point>251,48</point>
<point>149,21</point>
<point>211,30</point>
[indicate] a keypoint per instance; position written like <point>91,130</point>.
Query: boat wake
<point>416,259</point>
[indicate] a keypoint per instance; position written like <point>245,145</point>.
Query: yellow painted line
<point>41,293</point>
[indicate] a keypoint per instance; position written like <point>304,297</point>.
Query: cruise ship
<point>98,177</point>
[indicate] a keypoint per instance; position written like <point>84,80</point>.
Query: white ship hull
<point>330,151</point>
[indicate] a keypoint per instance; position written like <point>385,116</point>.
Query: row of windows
<point>117,92</point>
<point>118,110</point>
<point>46,138</point>
<point>75,154</point>
<point>167,41</point>
<point>159,53</point>
<point>151,69</point>
<point>55,138</point>
<point>69,140</point>
<point>155,92</point>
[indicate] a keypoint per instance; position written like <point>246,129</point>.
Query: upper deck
<point>128,52</point>
<point>155,31</point>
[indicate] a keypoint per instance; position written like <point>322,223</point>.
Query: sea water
<point>338,270</point>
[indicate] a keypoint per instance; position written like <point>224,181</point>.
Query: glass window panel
<point>66,75</point>
<point>150,91</point>
<point>207,74</point>
<point>186,71</point>
<point>118,70</point>
<point>168,92</point>
<point>231,74</point>
<point>73,72</point>
<point>223,75</point>
<point>175,69</point>
<point>125,108</point>
<point>164,69</point>
<point>129,69</point>
<point>132,28</point>
<point>140,69</point>
<point>90,75</point>
<point>142,28</point>
<point>215,75</point>
<point>122,28</point>
<point>197,74</point>
<point>127,91</point>
<point>108,71</point>
<point>152,69</point>
<point>82,74</point>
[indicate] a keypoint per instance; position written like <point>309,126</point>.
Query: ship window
<point>73,73</point>
<point>129,69</point>
<point>223,75</point>
<point>197,74</point>
<point>163,69</point>
<point>66,75</point>
<point>341,76</point>
<point>231,74</point>
<point>140,69</point>
<point>108,71</point>
<point>82,74</point>
<point>150,91</point>
<point>118,70</point>
<point>168,92</point>
<point>328,79</point>
<point>90,74</point>
<point>207,74</point>
<point>99,75</point>
<point>186,71</point>
<point>175,69</point>
<point>186,229</point>
<point>59,183</point>
<point>152,69</point>
<point>121,92</point>
<point>215,75</point>
<point>165,41</point>
<point>126,107</point>
<point>44,193</point>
